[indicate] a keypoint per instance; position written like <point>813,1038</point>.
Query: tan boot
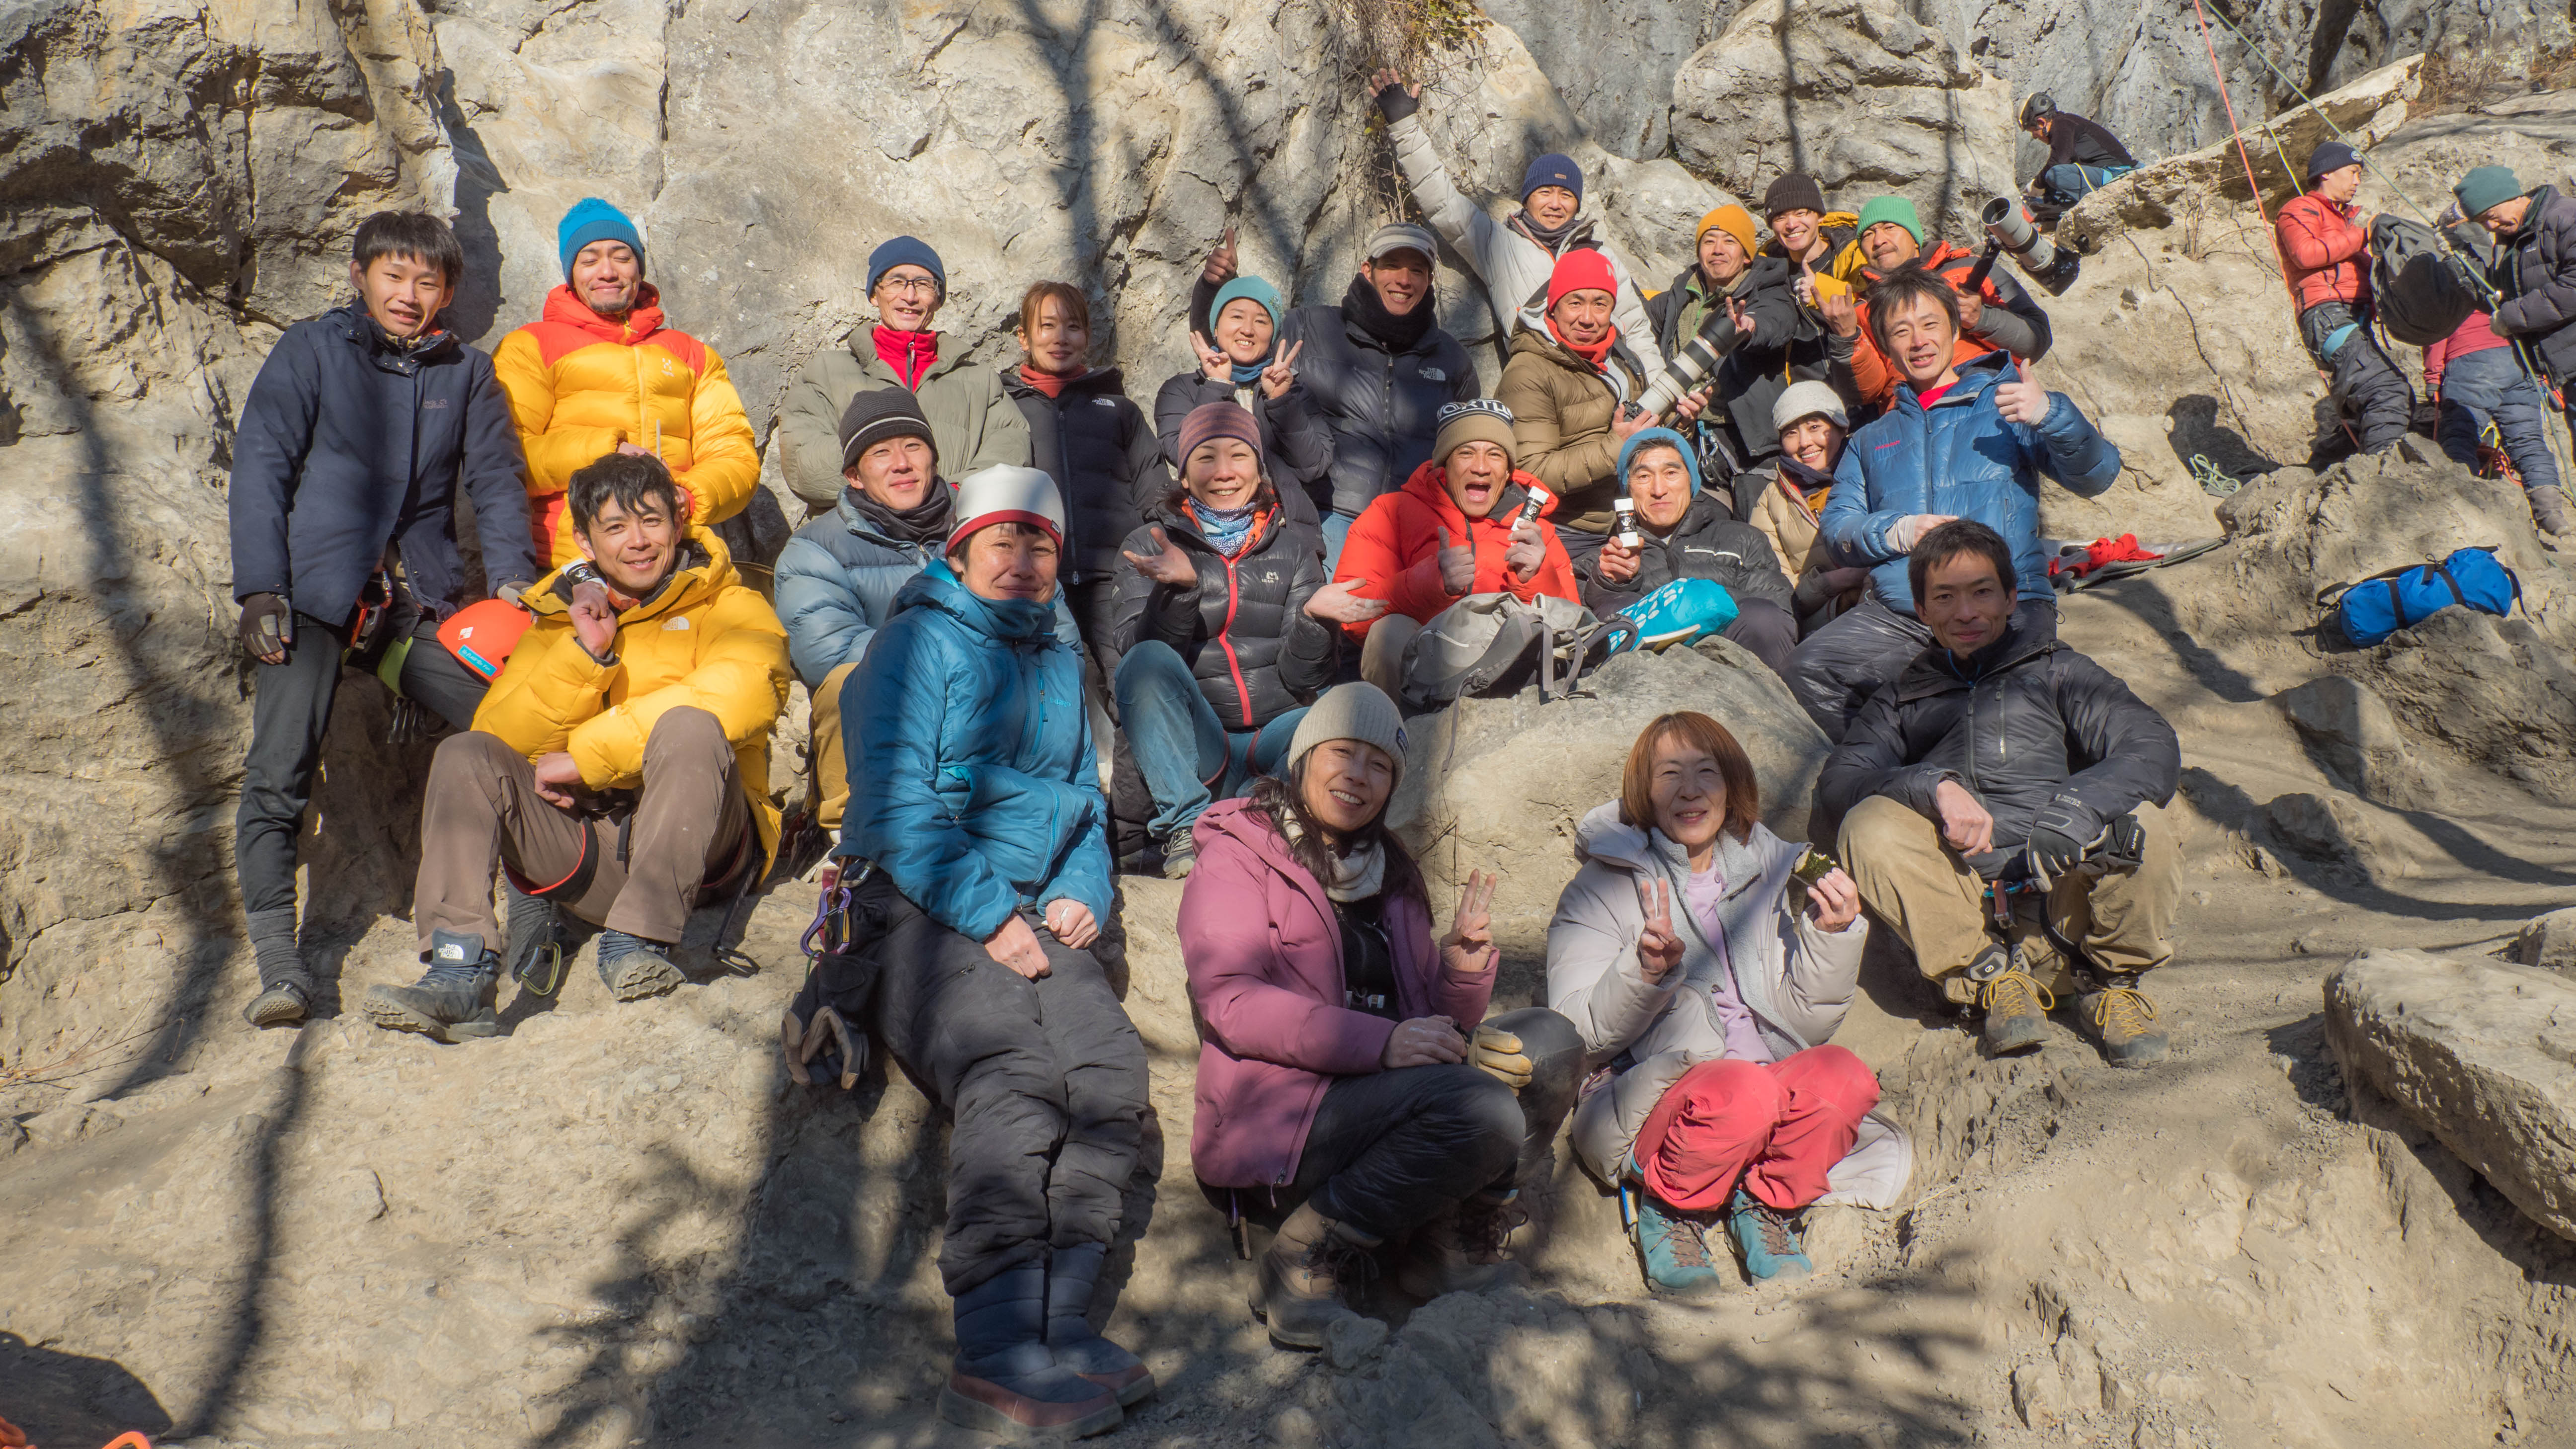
<point>1308,1275</point>
<point>1461,1250</point>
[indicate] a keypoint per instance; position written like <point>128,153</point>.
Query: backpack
<point>1678,613</point>
<point>2422,289</point>
<point>1490,643</point>
<point>2376,607</point>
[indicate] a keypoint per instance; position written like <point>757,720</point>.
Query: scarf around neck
<point>1050,383</point>
<point>1598,354</point>
<point>1225,529</point>
<point>924,523</point>
<point>1362,305</point>
<point>1356,876</point>
<point>1550,238</point>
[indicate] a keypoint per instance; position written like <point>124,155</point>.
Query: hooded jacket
<point>1296,447</point>
<point>1394,549</point>
<point>2328,248</point>
<point>1707,543</point>
<point>1797,981</point>
<point>1562,408</point>
<point>974,782</point>
<point>1243,629</point>
<point>2536,274</point>
<point>2013,322</point>
<point>1961,457</point>
<point>974,424</point>
<point>707,641</point>
<point>1264,954</point>
<point>1105,459</point>
<point>2027,725</point>
<point>1381,406</point>
<point>1787,344</point>
<point>580,384</point>
<point>348,444</point>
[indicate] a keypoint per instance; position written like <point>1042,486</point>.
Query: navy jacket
<point>349,443</point>
<point>1105,458</point>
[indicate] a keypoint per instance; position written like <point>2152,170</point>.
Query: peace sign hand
<point>2022,400</point>
<point>1166,564</point>
<point>1658,949</point>
<point>1215,366</point>
<point>1468,949</point>
<point>1282,370</point>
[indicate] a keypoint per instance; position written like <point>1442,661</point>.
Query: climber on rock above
<point>357,433</point>
<point>974,421</point>
<point>1962,440</point>
<point>1350,1087</point>
<point>619,768</point>
<point>600,373</point>
<point>1999,315</point>
<point>1685,531</point>
<point>2535,278</point>
<point>2083,156</point>
<point>2006,777</point>
<point>2325,240</point>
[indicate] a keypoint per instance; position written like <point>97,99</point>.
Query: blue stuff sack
<point>1677,613</point>
<point>2371,610</point>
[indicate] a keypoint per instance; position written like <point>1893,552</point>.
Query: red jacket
<point>2328,250</point>
<point>1394,548</point>
<point>2475,335</point>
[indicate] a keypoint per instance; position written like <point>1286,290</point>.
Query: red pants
<point>1779,1127</point>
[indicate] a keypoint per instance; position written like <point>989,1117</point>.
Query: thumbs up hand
<point>1457,566</point>
<point>2022,400</point>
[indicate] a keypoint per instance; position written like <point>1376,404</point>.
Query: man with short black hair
<point>2002,779</point>
<point>362,424</point>
<point>620,767</point>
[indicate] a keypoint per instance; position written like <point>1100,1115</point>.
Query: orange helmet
<point>482,635</point>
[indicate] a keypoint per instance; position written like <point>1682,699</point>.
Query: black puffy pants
<point>1842,664</point>
<point>1391,1149</point>
<point>2371,395</point>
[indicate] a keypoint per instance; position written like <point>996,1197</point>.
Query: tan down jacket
<point>1562,408</point>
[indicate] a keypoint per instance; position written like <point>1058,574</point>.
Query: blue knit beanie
<point>1649,437</point>
<point>902,251</point>
<point>1254,288</point>
<point>591,220</point>
<point>1553,169</point>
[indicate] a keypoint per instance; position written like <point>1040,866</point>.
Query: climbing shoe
<point>452,1001</point>
<point>285,986</point>
<point>2548,510</point>
<point>633,968</point>
<point>2120,1018</point>
<point>1313,1269</point>
<point>280,1005</point>
<point>1674,1249</point>
<point>1072,1275</point>
<point>1460,1250</point>
<point>1180,857</point>
<point>2016,1006</point>
<point>1764,1239</point>
<point>1005,1379</point>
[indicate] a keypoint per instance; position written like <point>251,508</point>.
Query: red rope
<point>2236,133</point>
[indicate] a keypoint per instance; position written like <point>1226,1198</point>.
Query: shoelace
<point>1689,1249</point>
<point>1777,1240</point>
<point>2014,994</point>
<point>2122,1011</point>
<point>1344,1262</point>
<point>1485,1228</point>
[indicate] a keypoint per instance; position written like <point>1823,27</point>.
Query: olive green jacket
<point>973,422</point>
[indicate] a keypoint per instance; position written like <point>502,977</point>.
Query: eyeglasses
<point>913,285</point>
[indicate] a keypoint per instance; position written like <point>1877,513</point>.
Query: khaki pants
<point>1382,654</point>
<point>690,820</point>
<point>1934,902</point>
<point>831,768</point>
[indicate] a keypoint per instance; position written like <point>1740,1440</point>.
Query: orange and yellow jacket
<point>709,641</point>
<point>580,384</point>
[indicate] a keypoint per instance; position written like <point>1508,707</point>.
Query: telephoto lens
<point>2037,256</point>
<point>1692,364</point>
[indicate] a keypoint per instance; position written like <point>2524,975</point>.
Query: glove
<point>2050,854</point>
<point>2124,844</point>
<point>1498,1052</point>
<point>1457,566</point>
<point>1909,530</point>
<point>1528,551</point>
<point>267,625</point>
<point>1394,104</point>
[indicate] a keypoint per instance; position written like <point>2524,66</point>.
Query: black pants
<point>1842,664</point>
<point>1044,1081</point>
<point>2370,393</point>
<point>1390,1149</point>
<point>290,713</point>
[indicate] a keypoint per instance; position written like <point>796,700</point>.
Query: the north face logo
<point>1434,374</point>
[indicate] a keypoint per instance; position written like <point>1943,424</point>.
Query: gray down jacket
<point>1243,630</point>
<point>2537,277</point>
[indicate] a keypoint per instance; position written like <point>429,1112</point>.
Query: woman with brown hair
<point>1688,948</point>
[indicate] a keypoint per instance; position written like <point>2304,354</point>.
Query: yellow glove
<point>1499,1052</point>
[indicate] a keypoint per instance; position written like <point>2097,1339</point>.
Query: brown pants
<point>1934,901</point>
<point>482,806</point>
<point>831,767</point>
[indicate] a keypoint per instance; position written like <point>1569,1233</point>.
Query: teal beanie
<point>591,220</point>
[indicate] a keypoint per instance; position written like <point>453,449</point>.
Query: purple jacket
<point>1264,954</point>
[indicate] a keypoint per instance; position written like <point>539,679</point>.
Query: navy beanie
<point>2331,156</point>
<point>901,251</point>
<point>593,220</point>
<point>1553,169</point>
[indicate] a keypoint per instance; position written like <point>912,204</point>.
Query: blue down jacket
<point>1961,457</point>
<point>975,784</point>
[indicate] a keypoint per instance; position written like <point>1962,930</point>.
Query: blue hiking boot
<point>1674,1250</point>
<point>1006,1380</point>
<point>453,1001</point>
<point>1769,1246</point>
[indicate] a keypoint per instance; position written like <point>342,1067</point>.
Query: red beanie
<point>1580,270</point>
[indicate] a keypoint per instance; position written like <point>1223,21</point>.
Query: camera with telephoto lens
<point>2039,258</point>
<point>1692,364</point>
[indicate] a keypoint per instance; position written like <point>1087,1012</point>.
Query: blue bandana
<point>1224,529</point>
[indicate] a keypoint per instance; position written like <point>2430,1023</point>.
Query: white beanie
<point>1356,711</point>
<point>1006,493</point>
<point>1806,400</point>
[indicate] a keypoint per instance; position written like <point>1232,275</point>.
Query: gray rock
<point>2548,942</point>
<point>2477,1053</point>
<point>2349,729</point>
<point>71,1123</point>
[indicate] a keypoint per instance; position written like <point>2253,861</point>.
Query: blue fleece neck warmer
<point>592,220</point>
<point>1648,437</point>
<point>1224,528</point>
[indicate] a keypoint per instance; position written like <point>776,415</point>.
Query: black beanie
<point>1791,193</point>
<point>2331,156</point>
<point>873,417</point>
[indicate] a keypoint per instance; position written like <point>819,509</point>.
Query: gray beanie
<point>1358,711</point>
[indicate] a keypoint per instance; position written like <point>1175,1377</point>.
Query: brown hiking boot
<point>1461,1250</point>
<point>2122,1020</point>
<point>2016,1006</point>
<point>1308,1275</point>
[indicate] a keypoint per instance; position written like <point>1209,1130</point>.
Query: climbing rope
<point>2213,481</point>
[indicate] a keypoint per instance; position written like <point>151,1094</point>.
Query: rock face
<point>2477,1053</point>
<point>2549,942</point>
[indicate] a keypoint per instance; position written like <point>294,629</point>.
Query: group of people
<point>1835,423</point>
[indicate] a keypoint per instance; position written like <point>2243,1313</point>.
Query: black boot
<point>633,968</point>
<point>1072,1274</point>
<point>535,953</point>
<point>1006,1379</point>
<point>285,987</point>
<point>452,1001</point>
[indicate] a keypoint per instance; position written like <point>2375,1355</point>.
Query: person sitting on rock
<point>1516,259</point>
<point>2006,765</point>
<point>1571,385</point>
<point>1242,361</point>
<point>1454,529</point>
<point>2535,279</point>
<point>2083,156</point>
<point>1811,425</point>
<point>620,766</point>
<point>1378,368</point>
<point>974,422</point>
<point>317,509</point>
<point>1347,1074</point>
<point>1692,960</point>
<point>1776,342</point>
<point>1105,458</point>
<point>1224,624</point>
<point>2325,240</point>
<point>1964,440</point>
<point>1685,531</point>
<point>977,854</point>
<point>599,373</point>
<point>1815,242</point>
<point>1999,315</point>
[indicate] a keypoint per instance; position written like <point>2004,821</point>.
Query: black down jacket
<point>2537,277</point>
<point>1382,406</point>
<point>1707,544</point>
<point>1787,344</point>
<point>1296,447</point>
<point>1104,457</point>
<point>2030,726</point>
<point>1244,630</point>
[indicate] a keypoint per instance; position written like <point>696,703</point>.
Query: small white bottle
<point>1626,509</point>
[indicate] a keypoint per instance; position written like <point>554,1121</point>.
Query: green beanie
<point>2484,189</point>
<point>1892,208</point>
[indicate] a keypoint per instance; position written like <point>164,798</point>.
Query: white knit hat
<point>1806,400</point>
<point>1356,711</point>
<point>1006,493</point>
